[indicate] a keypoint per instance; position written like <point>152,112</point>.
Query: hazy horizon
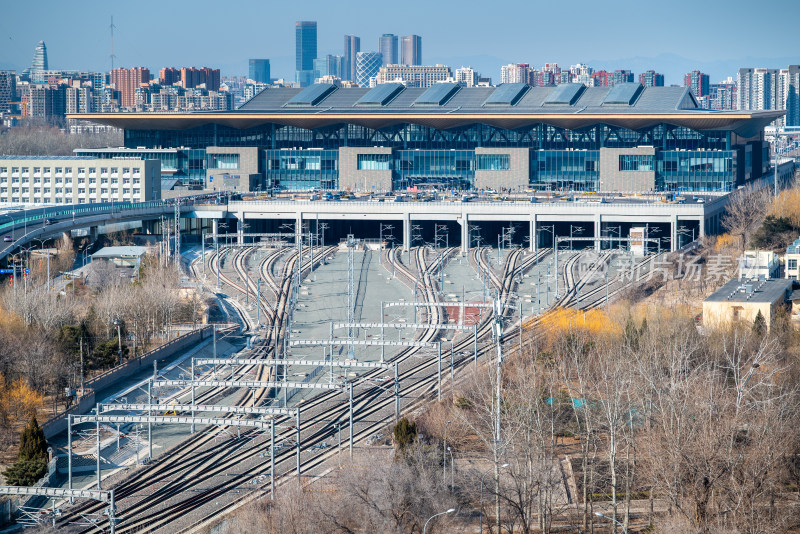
<point>671,39</point>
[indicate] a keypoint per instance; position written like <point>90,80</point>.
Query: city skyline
<point>453,44</point>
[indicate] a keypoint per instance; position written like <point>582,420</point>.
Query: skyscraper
<point>698,82</point>
<point>411,50</point>
<point>259,70</point>
<point>39,64</point>
<point>329,66</point>
<point>40,57</point>
<point>367,65</point>
<point>388,49</point>
<point>352,46</point>
<point>305,33</point>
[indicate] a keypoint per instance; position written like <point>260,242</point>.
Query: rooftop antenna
<point>112,42</point>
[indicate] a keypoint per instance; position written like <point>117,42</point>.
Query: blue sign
<point>6,271</point>
<point>26,271</point>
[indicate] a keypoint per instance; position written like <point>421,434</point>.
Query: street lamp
<point>118,324</point>
<point>598,514</point>
<point>425,528</point>
<point>483,477</point>
<point>444,452</point>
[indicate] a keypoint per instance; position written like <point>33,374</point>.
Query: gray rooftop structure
<point>744,290</point>
<point>119,252</point>
<point>450,97</point>
<point>445,106</point>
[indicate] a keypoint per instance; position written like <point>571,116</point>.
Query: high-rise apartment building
<point>602,78</point>
<point>127,81</point>
<point>305,34</point>
<point>722,96</point>
<point>388,49</point>
<point>791,85</point>
<point>467,76</point>
<point>8,88</point>
<point>352,46</point>
<point>756,89</point>
<point>414,75</point>
<point>259,70</point>
<point>697,82</point>
<point>581,73</point>
<point>46,102</point>
<point>651,78</point>
<point>192,77</point>
<point>169,76</point>
<point>544,78</point>
<point>622,76</point>
<point>516,73</point>
<point>78,100</point>
<point>411,50</point>
<point>367,65</point>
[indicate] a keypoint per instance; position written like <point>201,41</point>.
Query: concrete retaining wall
<point>58,424</point>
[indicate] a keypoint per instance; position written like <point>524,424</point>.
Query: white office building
<point>78,180</point>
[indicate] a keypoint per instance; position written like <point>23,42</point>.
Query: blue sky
<point>672,36</point>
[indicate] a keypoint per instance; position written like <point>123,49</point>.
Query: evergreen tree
<point>759,325</point>
<point>32,443</point>
<point>405,432</point>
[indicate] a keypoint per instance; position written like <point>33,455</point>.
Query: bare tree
<point>746,208</point>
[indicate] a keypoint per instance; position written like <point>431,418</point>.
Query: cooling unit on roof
<point>437,95</point>
<point>312,95</point>
<point>507,94</point>
<point>623,94</point>
<point>381,94</point>
<point>565,94</point>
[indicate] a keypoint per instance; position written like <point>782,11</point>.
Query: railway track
<point>323,415</point>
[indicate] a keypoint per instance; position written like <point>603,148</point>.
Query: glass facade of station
<point>293,157</point>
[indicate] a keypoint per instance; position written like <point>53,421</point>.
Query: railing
<point>74,210</point>
<point>425,206</point>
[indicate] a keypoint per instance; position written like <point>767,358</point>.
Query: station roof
<point>446,106</point>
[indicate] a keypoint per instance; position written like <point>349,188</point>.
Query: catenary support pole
<point>351,418</point>
<point>439,373</point>
<point>272,458</point>
<point>97,428</point>
<point>298,442</point>
<point>396,394</point>
<point>69,451</point>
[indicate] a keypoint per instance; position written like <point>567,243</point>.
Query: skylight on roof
<point>381,94</point>
<point>437,95</point>
<point>623,94</point>
<point>312,95</point>
<point>565,94</point>
<point>508,94</point>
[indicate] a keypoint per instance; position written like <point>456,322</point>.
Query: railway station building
<point>514,137</point>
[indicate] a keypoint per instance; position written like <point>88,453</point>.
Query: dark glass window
<point>636,162</point>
